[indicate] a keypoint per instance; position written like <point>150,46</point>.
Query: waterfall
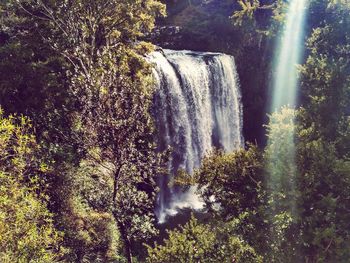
<point>197,107</point>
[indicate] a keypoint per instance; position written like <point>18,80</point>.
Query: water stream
<point>197,107</point>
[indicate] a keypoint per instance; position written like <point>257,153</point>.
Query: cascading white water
<point>197,107</point>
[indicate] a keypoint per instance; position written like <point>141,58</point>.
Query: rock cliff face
<point>195,25</point>
<point>205,26</point>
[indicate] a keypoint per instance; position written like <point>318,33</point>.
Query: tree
<point>90,231</point>
<point>33,80</point>
<point>197,242</point>
<point>281,184</point>
<point>233,189</point>
<point>323,131</point>
<point>230,181</point>
<point>111,86</point>
<point>27,233</point>
<point>322,134</point>
<point>249,10</point>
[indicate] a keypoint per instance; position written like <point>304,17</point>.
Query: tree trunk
<point>116,183</point>
<point>122,229</point>
<point>127,243</point>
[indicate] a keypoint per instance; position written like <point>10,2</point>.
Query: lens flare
<point>281,147</point>
<point>290,52</point>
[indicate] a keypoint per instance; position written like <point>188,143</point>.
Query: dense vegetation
<point>78,156</point>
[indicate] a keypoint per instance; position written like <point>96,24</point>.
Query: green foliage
<point>197,242</point>
<point>323,131</point>
<point>91,233</point>
<point>281,185</point>
<point>280,159</point>
<point>249,10</point>
<point>229,181</point>
<point>232,187</point>
<point>89,51</point>
<point>33,79</point>
<point>27,233</point>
